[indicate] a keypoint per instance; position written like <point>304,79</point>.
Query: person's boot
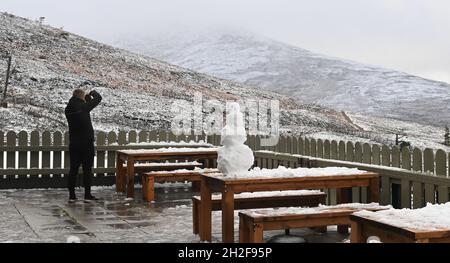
<point>72,196</point>
<point>88,197</point>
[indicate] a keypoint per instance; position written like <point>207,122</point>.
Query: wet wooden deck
<point>46,216</point>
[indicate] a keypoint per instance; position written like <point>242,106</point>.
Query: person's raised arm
<point>92,103</point>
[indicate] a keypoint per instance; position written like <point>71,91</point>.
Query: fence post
<point>11,155</point>
<point>23,155</point>
<point>342,151</point>
<point>405,193</point>
<point>367,153</point>
<point>307,149</point>
<point>66,152</point>
<point>385,156</point>
<point>376,152</point>
<point>428,161</point>
<point>257,143</point>
<point>46,142</point>
<point>112,139</point>
<point>350,152</point>
<point>101,141</point>
<point>251,142</point>
<point>417,195</point>
<point>143,135</point>
<point>282,144</point>
<point>395,156</point>
<point>406,158</point>
<point>366,158</point>
<point>294,145</point>
<point>358,152</point>
<point>417,160</point>
<point>326,149</point>
<point>289,144</point>
<point>57,141</point>
<point>122,140</point>
<point>153,136</point>
<point>441,170</point>
<point>132,137</point>
<point>313,149</point>
<point>441,163</point>
<point>301,146</point>
<point>442,194</point>
<point>430,193</point>
<point>319,148</point>
<point>418,198</point>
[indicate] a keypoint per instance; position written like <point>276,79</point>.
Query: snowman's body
<point>234,157</point>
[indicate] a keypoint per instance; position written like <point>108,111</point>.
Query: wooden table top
<point>171,151</point>
<point>219,177</point>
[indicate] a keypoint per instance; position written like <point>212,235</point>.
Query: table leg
<point>343,195</point>
<point>257,235</point>
<point>356,236</point>
<point>205,211</point>
<point>130,176</point>
<point>374,190</point>
<point>119,174</point>
<point>227,216</point>
<point>243,230</point>
<point>195,218</point>
<point>148,187</point>
<point>124,179</point>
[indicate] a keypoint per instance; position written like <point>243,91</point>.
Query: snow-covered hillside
<point>138,91</point>
<point>306,76</point>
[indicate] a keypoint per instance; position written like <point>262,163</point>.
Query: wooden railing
<point>30,160</point>
<point>403,188</point>
<point>41,160</point>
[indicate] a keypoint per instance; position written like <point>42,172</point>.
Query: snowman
<point>234,157</point>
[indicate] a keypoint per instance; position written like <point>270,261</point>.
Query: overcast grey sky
<point>408,35</point>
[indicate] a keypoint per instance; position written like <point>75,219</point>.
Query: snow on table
<point>270,193</point>
<point>312,210</point>
<point>164,143</point>
<point>432,217</point>
<point>196,169</point>
<point>171,150</point>
<point>283,172</point>
<point>167,163</point>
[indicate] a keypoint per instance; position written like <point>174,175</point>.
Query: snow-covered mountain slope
<point>306,76</point>
<point>138,91</point>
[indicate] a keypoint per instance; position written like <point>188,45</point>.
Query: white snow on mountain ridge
<point>311,78</point>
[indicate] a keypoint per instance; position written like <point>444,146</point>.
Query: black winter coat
<point>78,116</point>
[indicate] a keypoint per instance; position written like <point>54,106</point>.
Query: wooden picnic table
<point>364,227</point>
<point>229,186</point>
<point>125,176</point>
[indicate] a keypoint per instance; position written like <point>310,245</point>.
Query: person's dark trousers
<point>81,153</point>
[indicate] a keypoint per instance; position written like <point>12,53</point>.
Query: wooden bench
<point>252,224</point>
<point>364,227</point>
<point>149,179</point>
<point>260,200</point>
